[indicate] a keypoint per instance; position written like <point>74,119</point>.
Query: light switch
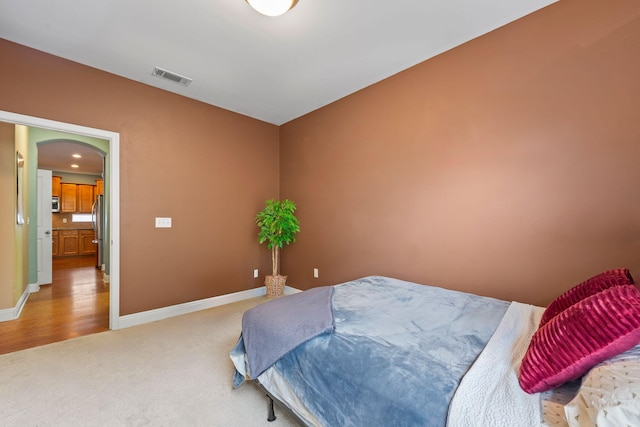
<point>163,222</point>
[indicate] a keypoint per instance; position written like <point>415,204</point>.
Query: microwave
<point>55,204</point>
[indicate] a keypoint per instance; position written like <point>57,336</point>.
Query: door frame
<point>114,195</point>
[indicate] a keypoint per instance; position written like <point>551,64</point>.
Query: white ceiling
<point>272,69</point>
<point>57,155</point>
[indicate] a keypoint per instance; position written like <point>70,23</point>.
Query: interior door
<point>43,229</point>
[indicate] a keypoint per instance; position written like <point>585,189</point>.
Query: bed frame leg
<point>272,414</point>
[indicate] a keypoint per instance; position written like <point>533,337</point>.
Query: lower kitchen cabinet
<point>55,244</point>
<point>69,242</point>
<point>73,242</point>
<point>87,246</point>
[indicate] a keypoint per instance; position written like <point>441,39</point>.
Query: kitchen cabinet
<point>54,243</point>
<point>73,242</point>
<point>84,198</point>
<point>68,197</point>
<point>69,242</point>
<point>55,186</point>
<point>99,187</point>
<point>77,197</point>
<point>87,246</point>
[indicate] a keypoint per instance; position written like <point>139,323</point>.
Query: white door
<point>43,230</point>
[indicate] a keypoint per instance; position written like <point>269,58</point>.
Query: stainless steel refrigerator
<point>97,219</point>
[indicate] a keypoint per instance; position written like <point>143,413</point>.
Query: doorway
<point>74,171</point>
<point>113,209</point>
<point>73,297</point>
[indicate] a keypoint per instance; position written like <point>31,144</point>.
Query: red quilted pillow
<point>590,331</point>
<point>585,289</point>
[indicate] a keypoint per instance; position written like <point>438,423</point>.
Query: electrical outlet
<point>163,222</point>
<point>315,273</point>
<point>255,273</point>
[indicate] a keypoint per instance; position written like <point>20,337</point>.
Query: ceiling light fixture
<point>75,166</point>
<point>272,7</point>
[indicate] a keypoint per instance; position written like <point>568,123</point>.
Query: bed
<point>382,351</point>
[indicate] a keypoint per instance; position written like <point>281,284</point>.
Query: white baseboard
<point>152,315</point>
<point>190,307</point>
<point>288,290</point>
<point>7,314</point>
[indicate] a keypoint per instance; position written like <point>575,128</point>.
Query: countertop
<point>72,228</point>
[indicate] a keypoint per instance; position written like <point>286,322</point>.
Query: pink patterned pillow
<point>585,289</point>
<point>590,331</point>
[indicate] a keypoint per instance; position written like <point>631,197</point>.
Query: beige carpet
<point>174,372</point>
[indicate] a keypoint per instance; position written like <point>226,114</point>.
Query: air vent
<point>176,78</point>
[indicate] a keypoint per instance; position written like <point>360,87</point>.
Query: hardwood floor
<point>75,304</point>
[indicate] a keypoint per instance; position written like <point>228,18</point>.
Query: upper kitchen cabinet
<point>68,197</point>
<point>76,197</point>
<point>85,198</point>
<point>55,186</point>
<point>99,187</point>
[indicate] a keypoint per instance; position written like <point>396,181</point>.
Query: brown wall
<point>505,167</point>
<point>207,168</point>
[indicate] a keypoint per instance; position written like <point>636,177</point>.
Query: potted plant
<point>278,227</point>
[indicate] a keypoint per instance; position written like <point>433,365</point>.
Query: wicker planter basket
<point>275,285</point>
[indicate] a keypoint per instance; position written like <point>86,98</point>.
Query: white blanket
<point>489,394</point>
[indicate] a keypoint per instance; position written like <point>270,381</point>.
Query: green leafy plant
<point>278,227</point>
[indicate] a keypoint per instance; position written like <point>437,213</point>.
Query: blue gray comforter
<point>396,355</point>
